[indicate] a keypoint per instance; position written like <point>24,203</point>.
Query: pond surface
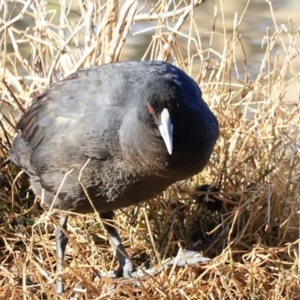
<point>253,29</point>
<point>257,22</point>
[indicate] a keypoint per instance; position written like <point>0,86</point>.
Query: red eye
<point>150,109</point>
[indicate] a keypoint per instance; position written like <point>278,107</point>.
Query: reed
<point>253,240</point>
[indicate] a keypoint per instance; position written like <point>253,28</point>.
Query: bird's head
<point>161,109</point>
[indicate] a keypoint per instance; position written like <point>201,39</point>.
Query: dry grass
<point>254,240</point>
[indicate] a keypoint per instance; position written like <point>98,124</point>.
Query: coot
<point>129,129</point>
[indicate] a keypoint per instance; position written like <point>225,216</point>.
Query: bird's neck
<point>141,147</point>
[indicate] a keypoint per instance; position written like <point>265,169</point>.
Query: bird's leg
<point>126,268</point>
<point>61,243</point>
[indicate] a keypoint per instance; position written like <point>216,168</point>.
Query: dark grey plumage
<point>106,122</point>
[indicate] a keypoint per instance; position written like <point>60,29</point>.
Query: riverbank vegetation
<point>253,240</point>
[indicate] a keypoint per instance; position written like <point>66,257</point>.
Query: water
<point>252,30</point>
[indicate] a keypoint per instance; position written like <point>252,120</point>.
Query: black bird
<point>131,129</point>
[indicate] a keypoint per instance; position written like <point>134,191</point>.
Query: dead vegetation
<point>254,240</point>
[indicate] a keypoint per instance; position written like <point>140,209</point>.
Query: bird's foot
<point>183,258</point>
<point>126,270</point>
<point>187,257</point>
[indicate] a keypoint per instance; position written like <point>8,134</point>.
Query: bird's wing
<point>70,122</point>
